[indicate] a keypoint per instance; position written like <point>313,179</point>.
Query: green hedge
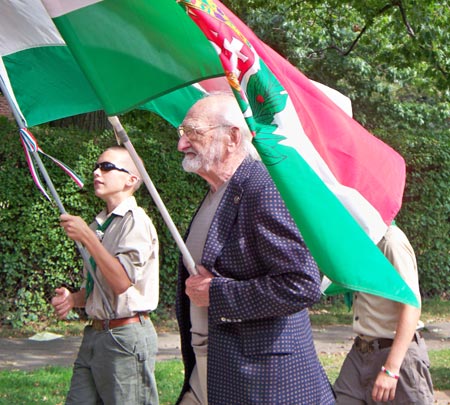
<point>36,256</point>
<point>425,213</point>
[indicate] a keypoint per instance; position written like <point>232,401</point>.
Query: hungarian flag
<point>312,149</point>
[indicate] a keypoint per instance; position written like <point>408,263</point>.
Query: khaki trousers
<point>358,373</point>
<point>198,392</point>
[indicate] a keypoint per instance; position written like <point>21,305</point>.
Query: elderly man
<point>245,331</point>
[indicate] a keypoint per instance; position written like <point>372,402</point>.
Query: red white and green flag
<point>321,160</point>
<point>133,51</point>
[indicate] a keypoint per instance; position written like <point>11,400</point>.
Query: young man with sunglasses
<point>116,360</point>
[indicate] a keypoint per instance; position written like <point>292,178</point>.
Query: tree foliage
<point>379,53</point>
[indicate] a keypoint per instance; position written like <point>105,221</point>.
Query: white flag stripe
<point>57,8</point>
<point>362,211</point>
<point>15,16</point>
<point>343,102</point>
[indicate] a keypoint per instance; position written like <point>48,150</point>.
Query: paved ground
<point>28,354</point>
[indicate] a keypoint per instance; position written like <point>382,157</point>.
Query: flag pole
<point>125,140</point>
<point>84,254</point>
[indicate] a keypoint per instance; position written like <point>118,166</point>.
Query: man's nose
<point>183,143</point>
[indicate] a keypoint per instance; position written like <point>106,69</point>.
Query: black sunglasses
<point>108,166</point>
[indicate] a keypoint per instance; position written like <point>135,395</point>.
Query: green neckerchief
<point>90,280</point>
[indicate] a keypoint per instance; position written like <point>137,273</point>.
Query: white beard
<point>192,165</point>
<point>203,161</point>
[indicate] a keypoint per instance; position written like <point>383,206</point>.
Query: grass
<point>169,377</point>
<point>43,386</point>
<point>49,385</point>
<point>436,310</point>
<point>440,368</point>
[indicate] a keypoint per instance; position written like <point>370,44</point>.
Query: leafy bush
<point>36,255</point>
<point>425,214</point>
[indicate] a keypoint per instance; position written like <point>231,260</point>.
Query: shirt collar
<point>126,205</point>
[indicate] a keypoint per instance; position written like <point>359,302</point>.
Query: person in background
<point>116,359</point>
<point>388,362</point>
<point>245,332</point>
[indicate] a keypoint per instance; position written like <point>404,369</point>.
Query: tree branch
<point>409,30</point>
<point>355,42</point>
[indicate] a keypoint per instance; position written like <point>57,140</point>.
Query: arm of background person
<point>385,386</point>
<point>398,250</point>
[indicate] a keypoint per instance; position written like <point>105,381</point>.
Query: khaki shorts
<point>359,371</point>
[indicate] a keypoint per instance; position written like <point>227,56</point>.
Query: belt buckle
<point>364,346</point>
<point>97,325</point>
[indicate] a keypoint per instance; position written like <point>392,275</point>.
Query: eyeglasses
<point>191,132</point>
<point>108,166</point>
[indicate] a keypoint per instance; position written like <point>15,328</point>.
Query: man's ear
<point>235,138</point>
<point>132,180</point>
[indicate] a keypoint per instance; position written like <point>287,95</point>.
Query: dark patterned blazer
<point>260,346</point>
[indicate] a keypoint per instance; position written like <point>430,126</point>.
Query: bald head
<point>223,109</point>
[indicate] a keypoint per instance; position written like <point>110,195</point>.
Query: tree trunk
<point>94,122</point>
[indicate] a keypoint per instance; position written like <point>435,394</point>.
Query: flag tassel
<point>84,254</point>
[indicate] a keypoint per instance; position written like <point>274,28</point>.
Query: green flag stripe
<point>173,107</point>
<point>115,45</point>
<point>342,243</point>
<point>32,75</point>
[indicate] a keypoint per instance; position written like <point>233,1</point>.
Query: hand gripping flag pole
<point>125,140</point>
<point>35,154</point>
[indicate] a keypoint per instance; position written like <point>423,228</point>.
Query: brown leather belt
<point>365,346</point>
<point>99,324</point>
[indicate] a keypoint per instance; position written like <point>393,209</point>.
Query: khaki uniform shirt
<point>132,239</point>
<point>374,316</point>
